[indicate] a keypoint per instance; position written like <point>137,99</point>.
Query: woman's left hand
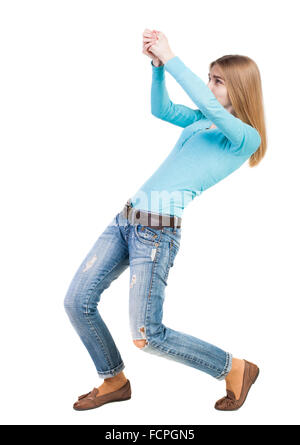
<point>161,47</point>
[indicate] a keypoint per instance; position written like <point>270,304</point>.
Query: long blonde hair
<point>243,83</point>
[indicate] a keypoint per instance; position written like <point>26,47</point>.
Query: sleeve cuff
<point>157,67</point>
<point>158,72</point>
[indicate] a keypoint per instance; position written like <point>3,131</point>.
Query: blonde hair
<point>243,83</point>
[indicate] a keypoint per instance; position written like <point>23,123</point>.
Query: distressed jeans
<point>150,254</point>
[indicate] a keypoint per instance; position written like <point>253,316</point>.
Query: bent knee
<point>140,343</point>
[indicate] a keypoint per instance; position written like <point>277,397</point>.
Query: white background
<point>77,140</point>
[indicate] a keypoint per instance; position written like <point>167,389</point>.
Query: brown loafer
<point>90,400</point>
<point>229,402</point>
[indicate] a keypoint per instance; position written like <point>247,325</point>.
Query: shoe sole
<point>235,409</point>
<point>93,407</point>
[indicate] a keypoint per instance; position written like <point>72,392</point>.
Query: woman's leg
<point>152,253</point>
<point>107,259</point>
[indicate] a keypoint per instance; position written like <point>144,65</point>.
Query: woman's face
<point>217,86</point>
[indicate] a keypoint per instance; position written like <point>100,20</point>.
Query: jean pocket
<point>173,236</point>
<point>146,234</point>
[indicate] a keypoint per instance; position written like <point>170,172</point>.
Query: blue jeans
<point>150,253</point>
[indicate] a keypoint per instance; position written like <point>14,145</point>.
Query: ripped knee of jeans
<point>141,343</point>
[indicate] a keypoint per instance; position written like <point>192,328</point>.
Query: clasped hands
<point>156,46</point>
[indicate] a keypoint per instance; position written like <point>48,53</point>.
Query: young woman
<point>226,129</point>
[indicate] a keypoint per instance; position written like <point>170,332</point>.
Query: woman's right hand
<point>150,37</point>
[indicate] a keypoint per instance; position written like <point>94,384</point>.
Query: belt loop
<point>128,207</point>
<point>175,223</point>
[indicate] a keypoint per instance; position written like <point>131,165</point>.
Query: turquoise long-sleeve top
<point>201,157</point>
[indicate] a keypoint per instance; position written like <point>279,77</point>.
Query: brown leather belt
<point>150,219</point>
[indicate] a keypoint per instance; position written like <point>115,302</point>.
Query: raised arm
<point>163,108</point>
<point>244,138</point>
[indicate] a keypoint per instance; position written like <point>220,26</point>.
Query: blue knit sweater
<point>202,156</point>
